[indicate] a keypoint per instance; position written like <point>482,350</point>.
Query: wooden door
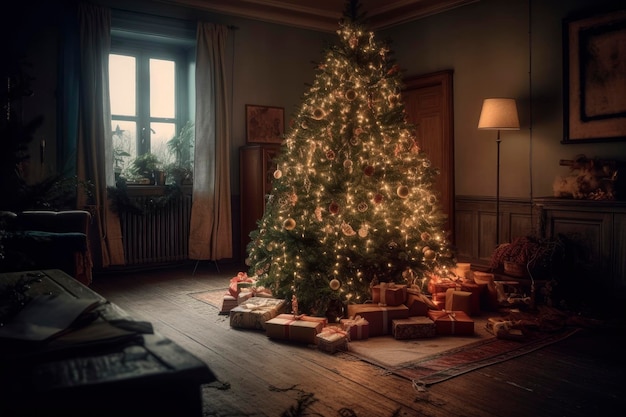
<point>428,102</point>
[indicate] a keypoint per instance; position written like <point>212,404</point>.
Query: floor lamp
<point>498,114</point>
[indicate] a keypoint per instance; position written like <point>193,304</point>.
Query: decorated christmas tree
<point>352,201</point>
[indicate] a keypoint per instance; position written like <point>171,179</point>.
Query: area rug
<point>450,363</point>
<point>212,297</point>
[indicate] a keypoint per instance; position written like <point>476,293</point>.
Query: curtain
<point>211,220</point>
<point>94,138</point>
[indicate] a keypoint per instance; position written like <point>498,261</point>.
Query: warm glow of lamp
<point>498,114</point>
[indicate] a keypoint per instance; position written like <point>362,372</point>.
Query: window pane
<point>124,145</point>
<point>122,84</point>
<point>162,88</point>
<point>161,133</point>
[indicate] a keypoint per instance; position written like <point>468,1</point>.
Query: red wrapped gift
<point>419,303</point>
<point>378,317</point>
<point>358,328</point>
<point>389,294</point>
<point>452,322</point>
<point>459,301</point>
<point>476,291</point>
<point>440,285</point>
<point>413,328</point>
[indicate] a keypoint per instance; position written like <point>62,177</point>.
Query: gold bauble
<point>334,284</point>
<point>289,224</point>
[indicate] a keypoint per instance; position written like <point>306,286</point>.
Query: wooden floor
<point>580,376</point>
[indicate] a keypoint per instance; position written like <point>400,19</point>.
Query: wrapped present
<point>489,293</point>
<point>459,301</point>
<point>378,317</point>
<point>254,313</point>
<point>476,291</point>
<point>245,293</point>
<point>452,322</point>
<point>332,339</point>
<point>413,328</point>
<point>305,317</point>
<point>440,285</point>
<point>418,303</point>
<point>358,328</point>
<point>228,303</point>
<point>241,280</point>
<point>293,328</point>
<point>389,294</point>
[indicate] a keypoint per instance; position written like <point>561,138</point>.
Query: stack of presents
<point>399,310</point>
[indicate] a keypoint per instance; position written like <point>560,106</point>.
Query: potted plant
<point>146,166</point>
<point>181,146</point>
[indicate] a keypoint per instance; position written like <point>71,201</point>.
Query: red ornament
<point>333,208</point>
<point>378,198</point>
<point>368,170</point>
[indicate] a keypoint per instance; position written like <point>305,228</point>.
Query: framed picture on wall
<point>264,124</point>
<point>594,78</point>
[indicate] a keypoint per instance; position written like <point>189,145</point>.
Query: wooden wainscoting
<point>475,221</point>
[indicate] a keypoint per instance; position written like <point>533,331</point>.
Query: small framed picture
<point>594,87</point>
<point>264,124</point>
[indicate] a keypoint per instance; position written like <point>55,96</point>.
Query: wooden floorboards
<point>580,376</point>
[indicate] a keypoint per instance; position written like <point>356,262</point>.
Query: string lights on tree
<point>352,199</point>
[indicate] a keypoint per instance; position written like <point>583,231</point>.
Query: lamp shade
<point>499,114</point>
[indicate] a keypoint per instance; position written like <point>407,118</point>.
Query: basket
<point>514,269</point>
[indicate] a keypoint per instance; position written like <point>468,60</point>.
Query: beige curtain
<point>94,130</point>
<point>211,220</point>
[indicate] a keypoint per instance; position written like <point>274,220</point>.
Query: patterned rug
<point>454,362</point>
<point>212,297</point>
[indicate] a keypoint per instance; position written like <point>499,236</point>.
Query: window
<point>149,93</point>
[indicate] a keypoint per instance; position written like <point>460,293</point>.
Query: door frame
<point>444,80</point>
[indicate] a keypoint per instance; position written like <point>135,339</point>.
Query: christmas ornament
<point>362,207</point>
<point>347,230</point>
<point>430,254</point>
<point>333,208</point>
<point>378,198</point>
<point>289,224</point>
<point>334,284</point>
<point>368,170</point>
<point>278,173</point>
<point>403,191</point>
<point>318,114</point>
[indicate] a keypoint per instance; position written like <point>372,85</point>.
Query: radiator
<point>159,234</point>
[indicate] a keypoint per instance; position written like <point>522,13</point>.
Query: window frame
<point>143,51</point>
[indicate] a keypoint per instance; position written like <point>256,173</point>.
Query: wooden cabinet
<point>256,165</point>
<point>601,226</point>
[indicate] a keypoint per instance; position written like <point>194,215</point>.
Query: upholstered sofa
<point>47,240</point>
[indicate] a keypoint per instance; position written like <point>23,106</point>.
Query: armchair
<point>41,239</point>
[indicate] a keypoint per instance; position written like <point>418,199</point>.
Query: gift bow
<point>333,333</point>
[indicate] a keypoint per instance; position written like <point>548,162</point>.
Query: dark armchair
<point>47,240</point>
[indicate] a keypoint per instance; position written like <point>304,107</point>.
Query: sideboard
<point>600,225</point>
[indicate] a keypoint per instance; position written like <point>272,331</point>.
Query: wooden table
<point>107,364</point>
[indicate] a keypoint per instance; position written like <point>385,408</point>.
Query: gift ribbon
<point>385,321</point>
<point>452,317</point>
<point>286,328</point>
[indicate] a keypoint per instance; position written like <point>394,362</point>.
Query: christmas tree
<point>352,201</point>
